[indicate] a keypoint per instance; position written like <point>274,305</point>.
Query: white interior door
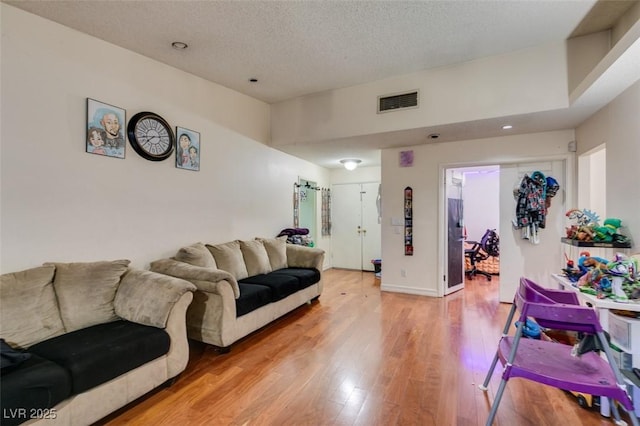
<point>520,257</point>
<point>371,229</point>
<point>355,231</point>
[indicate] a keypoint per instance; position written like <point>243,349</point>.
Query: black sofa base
<point>260,290</point>
<point>75,362</point>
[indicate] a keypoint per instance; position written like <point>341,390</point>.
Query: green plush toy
<point>608,231</point>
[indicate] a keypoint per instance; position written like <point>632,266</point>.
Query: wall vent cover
<point>398,101</point>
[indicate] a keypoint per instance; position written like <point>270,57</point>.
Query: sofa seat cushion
<point>97,354</point>
<point>281,285</point>
<point>252,297</point>
<point>35,384</point>
<point>306,276</point>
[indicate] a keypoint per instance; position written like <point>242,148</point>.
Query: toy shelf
<point>577,243</point>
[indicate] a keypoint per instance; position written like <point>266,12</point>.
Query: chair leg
<point>509,363</point>
<point>505,332</point>
<point>486,274</point>
<point>484,386</point>
<point>619,378</point>
<point>496,402</point>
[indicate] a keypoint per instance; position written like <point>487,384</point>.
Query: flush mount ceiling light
<point>350,163</point>
<point>507,127</point>
<point>178,45</point>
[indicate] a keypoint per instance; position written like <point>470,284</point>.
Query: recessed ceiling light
<point>507,127</point>
<point>253,80</point>
<point>178,45</point>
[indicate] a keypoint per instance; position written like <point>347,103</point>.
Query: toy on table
<point>586,263</point>
<point>617,279</point>
<point>624,277</point>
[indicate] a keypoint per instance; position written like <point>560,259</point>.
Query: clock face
<point>150,136</point>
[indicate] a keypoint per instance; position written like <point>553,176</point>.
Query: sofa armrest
<point>304,257</point>
<point>205,279</point>
<point>147,297</point>
<point>178,356</point>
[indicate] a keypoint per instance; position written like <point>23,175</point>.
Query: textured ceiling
<point>295,48</point>
<point>299,47</point>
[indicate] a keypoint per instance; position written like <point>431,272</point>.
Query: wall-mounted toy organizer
<point>408,221</point>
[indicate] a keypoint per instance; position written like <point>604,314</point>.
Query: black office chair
<point>488,246</point>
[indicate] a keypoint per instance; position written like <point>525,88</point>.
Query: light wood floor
<point>360,357</point>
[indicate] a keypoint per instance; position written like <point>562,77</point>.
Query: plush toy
<point>608,231</point>
<point>587,261</point>
<point>587,228</point>
<point>623,272</point>
<point>586,221</point>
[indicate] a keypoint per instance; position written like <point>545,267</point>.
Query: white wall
<point>59,203</point>
<point>481,197</point>
<point>592,181</point>
<point>422,269</point>
<point>359,175</point>
<point>526,81</point>
<point>618,126</point>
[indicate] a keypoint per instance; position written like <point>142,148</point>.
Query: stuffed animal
<point>608,231</point>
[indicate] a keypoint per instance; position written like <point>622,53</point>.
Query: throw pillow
<point>255,257</point>
<point>86,291</point>
<point>10,357</point>
<point>277,251</point>
<point>196,255</point>
<point>229,258</point>
<point>29,311</point>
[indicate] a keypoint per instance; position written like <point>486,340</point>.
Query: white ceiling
<point>296,48</point>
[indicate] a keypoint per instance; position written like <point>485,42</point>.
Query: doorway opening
<point>473,207</point>
<point>592,180</point>
<point>307,206</point>
<point>536,258</point>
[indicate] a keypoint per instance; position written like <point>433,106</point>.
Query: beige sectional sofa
<point>243,285</point>
<point>81,340</point>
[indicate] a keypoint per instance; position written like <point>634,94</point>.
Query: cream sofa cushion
<point>196,255</point>
<point>229,258</point>
<point>29,311</point>
<point>255,257</point>
<point>86,291</point>
<point>277,251</point>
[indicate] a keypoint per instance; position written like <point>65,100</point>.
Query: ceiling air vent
<point>398,101</point>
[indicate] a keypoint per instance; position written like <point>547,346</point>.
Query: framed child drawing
<point>105,135</point>
<point>188,149</point>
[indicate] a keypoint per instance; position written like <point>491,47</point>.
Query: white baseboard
<point>391,288</point>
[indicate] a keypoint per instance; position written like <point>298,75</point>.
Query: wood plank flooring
<point>359,356</point>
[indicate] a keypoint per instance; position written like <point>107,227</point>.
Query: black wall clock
<point>150,136</point>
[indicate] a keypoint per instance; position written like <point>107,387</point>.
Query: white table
<point>603,306</point>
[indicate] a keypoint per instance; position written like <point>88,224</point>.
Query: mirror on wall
<point>307,193</point>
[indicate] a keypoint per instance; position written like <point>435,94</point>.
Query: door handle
<point>360,230</point>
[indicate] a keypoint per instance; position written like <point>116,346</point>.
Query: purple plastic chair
<point>553,363</point>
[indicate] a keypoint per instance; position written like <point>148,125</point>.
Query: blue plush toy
<point>530,329</point>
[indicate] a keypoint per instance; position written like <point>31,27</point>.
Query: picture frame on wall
<point>105,129</point>
<point>187,149</point>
